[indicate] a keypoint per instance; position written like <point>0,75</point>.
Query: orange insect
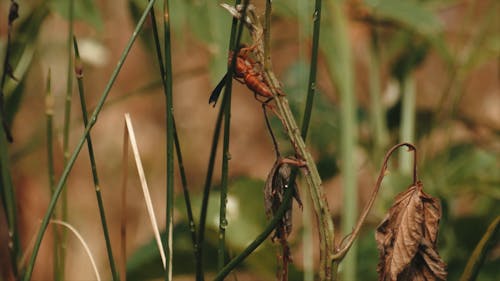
<point>246,72</point>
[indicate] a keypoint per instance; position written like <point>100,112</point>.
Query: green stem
<point>313,179</point>
<point>192,226</point>
<point>377,110</point>
<point>487,243</point>
<point>259,239</point>
<point>9,201</point>
<point>206,192</point>
<point>6,185</point>
<point>93,165</point>
<point>61,252</point>
<point>169,143</point>
<point>49,112</point>
<point>72,159</point>
<point>407,130</point>
<point>340,64</point>
<point>225,143</point>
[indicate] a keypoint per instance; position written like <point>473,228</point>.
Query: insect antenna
<point>217,90</point>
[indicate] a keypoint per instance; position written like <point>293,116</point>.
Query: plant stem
<point>340,254</point>
<point>49,112</point>
<point>72,159</point>
<point>93,165</point>
<point>9,201</point>
<point>192,226</point>
<point>318,196</point>
<point>377,110</point>
<point>487,243</point>
<point>259,239</point>
<point>60,254</point>
<point>6,186</point>
<point>170,141</point>
<point>407,130</point>
<point>234,47</point>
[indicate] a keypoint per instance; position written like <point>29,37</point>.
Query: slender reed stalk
<point>225,143</point>
<point>60,255</point>
<point>206,192</point>
<point>95,177</point>
<point>8,194</point>
<point>49,112</point>
<point>123,219</point>
<point>72,159</point>
<point>178,152</point>
<point>311,90</point>
<point>9,202</point>
<point>170,140</point>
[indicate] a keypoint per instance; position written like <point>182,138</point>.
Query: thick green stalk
<point>407,129</point>
<point>307,235</point>
<point>60,254</point>
<point>341,66</point>
<point>169,143</point>
<point>72,159</point>
<point>93,165</point>
<point>377,110</point>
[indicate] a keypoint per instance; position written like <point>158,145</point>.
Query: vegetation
<point>349,80</point>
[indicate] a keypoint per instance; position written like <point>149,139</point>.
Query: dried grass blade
<point>145,188</point>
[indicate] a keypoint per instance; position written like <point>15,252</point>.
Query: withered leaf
<point>274,191</point>
<point>406,238</point>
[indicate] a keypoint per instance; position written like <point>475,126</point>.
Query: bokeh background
<point>435,62</point>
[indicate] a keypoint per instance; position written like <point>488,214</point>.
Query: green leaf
<point>85,10</point>
<point>410,13</point>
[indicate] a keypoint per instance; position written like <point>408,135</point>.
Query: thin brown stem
<point>340,253</point>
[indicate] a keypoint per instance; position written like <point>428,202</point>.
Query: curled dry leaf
<point>406,238</point>
<point>277,183</point>
<point>274,191</point>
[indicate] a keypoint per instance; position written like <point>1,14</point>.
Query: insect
<point>246,72</point>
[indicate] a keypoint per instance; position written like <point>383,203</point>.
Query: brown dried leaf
<point>406,238</point>
<point>274,192</point>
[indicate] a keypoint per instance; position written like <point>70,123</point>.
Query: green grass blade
<point>72,159</point>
